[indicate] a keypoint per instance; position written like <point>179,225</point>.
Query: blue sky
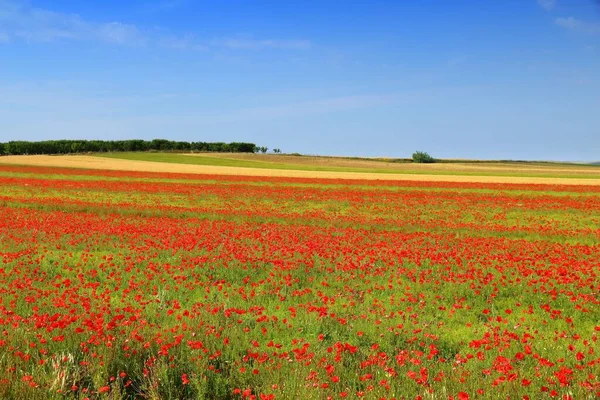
<point>493,79</point>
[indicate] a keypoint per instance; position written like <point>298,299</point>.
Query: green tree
<point>422,157</point>
<point>82,146</point>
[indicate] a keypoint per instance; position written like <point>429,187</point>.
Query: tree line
<point>103,146</point>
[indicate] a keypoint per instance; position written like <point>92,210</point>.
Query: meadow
<point>156,285</point>
<point>367,165</point>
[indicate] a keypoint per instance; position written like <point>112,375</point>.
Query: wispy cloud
<point>119,33</point>
<point>577,25</point>
<point>320,106</point>
<point>164,5</point>
<point>456,61</point>
<point>547,4</point>
<point>23,22</point>
<point>259,44</point>
<point>185,42</point>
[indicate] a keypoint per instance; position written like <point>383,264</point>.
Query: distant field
<point>322,167</point>
<point>366,165</point>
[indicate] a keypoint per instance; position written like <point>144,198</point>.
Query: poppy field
<point>126,285</point>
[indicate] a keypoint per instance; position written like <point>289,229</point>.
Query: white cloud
<point>185,42</point>
<point>578,25</point>
<point>192,42</point>
<point>318,106</point>
<point>164,5</point>
<point>20,21</point>
<point>456,61</point>
<point>116,32</point>
<point>547,4</point>
<point>90,101</point>
<point>38,25</point>
<point>256,44</point>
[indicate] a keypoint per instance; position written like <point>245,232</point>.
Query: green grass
<point>321,186</point>
<point>255,274</point>
<point>224,161</point>
<point>232,162</point>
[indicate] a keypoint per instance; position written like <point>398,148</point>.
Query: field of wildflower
<point>125,285</point>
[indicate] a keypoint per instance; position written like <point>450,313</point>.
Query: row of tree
<point>99,146</point>
<point>264,149</point>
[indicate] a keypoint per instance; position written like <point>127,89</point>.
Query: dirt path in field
<point>79,161</point>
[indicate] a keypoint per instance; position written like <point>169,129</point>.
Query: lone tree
<point>422,157</point>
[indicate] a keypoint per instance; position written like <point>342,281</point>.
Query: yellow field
<point>483,168</point>
<point>83,161</point>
